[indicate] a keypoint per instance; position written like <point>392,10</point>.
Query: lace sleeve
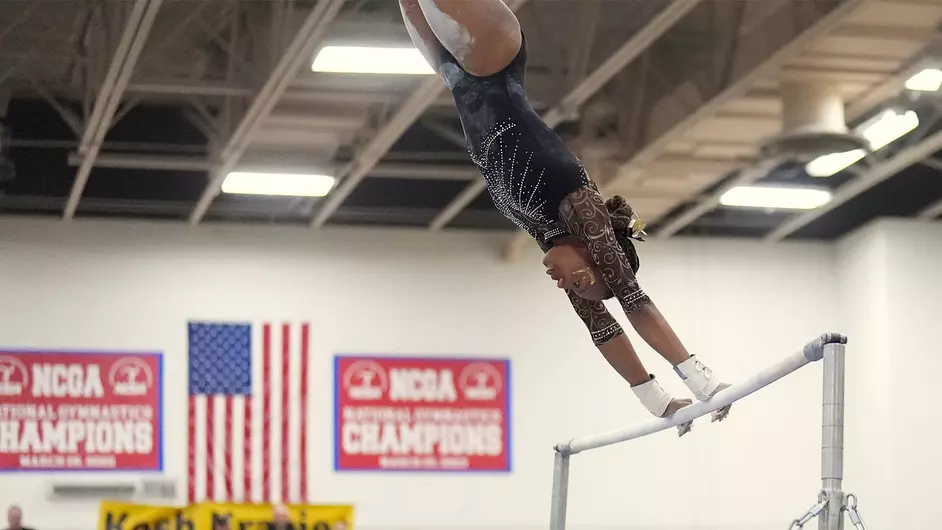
<point>601,324</point>
<point>585,215</point>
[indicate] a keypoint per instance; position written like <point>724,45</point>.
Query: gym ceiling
<point>139,109</point>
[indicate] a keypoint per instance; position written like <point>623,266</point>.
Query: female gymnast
<point>479,50</point>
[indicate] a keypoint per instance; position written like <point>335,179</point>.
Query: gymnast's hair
<point>621,216</point>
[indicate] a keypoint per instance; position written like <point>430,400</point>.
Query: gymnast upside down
<point>478,48</point>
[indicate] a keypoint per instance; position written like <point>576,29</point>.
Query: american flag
<point>248,393</point>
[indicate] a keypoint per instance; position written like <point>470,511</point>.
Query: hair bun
<point>621,216</point>
<point>615,203</point>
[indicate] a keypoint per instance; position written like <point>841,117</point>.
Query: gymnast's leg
<point>420,32</point>
<point>483,35</point>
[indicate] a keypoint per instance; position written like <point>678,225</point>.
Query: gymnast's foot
<point>704,385</point>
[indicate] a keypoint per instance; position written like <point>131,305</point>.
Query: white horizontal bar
<point>813,351</point>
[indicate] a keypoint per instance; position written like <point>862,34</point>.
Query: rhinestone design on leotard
<point>516,182</point>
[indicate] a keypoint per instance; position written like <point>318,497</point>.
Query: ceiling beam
<point>377,148</point>
<point>866,180</point>
<point>136,30</point>
<point>70,117</point>
<point>932,211</point>
<point>180,87</point>
<point>259,209</point>
<point>298,52</point>
<point>425,172</point>
<point>428,91</point>
<point>570,103</point>
<point>876,32</point>
<point>188,88</point>
<point>681,164</point>
<point>453,136</point>
<point>150,162</point>
<point>736,89</point>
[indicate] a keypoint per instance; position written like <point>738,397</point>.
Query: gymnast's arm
<point>601,324</point>
<point>610,339</point>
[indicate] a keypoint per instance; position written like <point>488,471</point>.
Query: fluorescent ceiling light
<point>888,127</point>
<point>928,80</point>
<point>827,165</point>
<point>879,132</point>
<point>285,184</point>
<point>371,60</point>
<point>776,197</point>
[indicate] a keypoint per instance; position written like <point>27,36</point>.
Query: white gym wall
<point>895,382</point>
<point>739,305</point>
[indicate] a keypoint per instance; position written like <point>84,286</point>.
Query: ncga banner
<point>421,414</point>
<point>203,516</point>
<point>80,411</point>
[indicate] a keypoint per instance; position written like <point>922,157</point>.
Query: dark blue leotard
<point>527,167</point>
<point>538,183</point>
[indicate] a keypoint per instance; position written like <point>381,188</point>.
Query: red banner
<point>80,411</point>
<point>421,414</point>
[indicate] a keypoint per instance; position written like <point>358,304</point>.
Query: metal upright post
<point>560,491</point>
<point>832,438</point>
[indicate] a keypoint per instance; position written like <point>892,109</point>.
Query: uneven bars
<point>813,351</point>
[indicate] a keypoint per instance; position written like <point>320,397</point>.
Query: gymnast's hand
<point>568,263</point>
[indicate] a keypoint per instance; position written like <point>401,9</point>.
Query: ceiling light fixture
<point>928,80</point>
<point>371,60</point>
<point>880,131</point>
<point>282,184</point>
<point>776,197</point>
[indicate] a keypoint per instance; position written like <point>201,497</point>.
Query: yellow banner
<point>206,516</point>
